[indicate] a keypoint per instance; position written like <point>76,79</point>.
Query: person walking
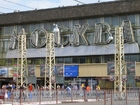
<point>68,90</point>
<point>21,94</point>
<point>31,89</point>
<point>88,90</point>
<point>97,92</point>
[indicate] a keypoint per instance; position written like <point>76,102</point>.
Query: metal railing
<point>39,97</point>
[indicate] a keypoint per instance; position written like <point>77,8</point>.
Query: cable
<point>18,4</point>
<point>7,8</point>
<point>79,1</point>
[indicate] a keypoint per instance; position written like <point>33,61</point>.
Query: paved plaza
<point>81,103</point>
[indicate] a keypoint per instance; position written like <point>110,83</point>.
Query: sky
<point>9,6</point>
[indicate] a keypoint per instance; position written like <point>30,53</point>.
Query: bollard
<point>111,98</point>
<point>56,96</point>
<point>12,96</point>
<point>139,98</point>
<point>85,98</point>
<point>39,96</point>
<point>71,95</point>
<point>104,98</point>
<point>20,96</point>
<point>126,97</point>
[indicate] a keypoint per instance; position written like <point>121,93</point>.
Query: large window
<point>32,27</point>
<point>8,30</point>
<point>59,60</point>
<point>26,28</point>
<point>82,60</point>
<point>5,45</point>
<point>107,20</point>
<point>122,18</point>
<point>108,58</point>
<point>90,38</point>
<point>68,60</point>
<point>134,58</point>
<point>91,22</point>
<point>115,21</point>
<point>96,20</point>
<point>132,19</point>
<point>75,60</point>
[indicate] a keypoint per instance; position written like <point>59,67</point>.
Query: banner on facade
<point>59,69</point>
<point>3,72</point>
<point>15,72</point>
<point>31,70</point>
<point>110,68</point>
<point>42,70</point>
<point>71,70</point>
<point>131,67</point>
<point>10,71</point>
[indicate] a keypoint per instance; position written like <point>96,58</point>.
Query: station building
<point>84,31</point>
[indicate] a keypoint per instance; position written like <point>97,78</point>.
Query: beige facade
<point>93,70</point>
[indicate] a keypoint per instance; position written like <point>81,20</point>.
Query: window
<point>82,22</point>
<point>115,21</point>
<point>107,20</point>
<point>75,22</point>
<point>28,44</point>
<point>82,60</point>
<point>108,58</point>
<point>90,37</point>
<point>31,28</point>
<point>26,28</point>
<point>131,18</point>
<point>90,22</point>
<point>5,45</point>
<point>68,60</point>
<point>88,59</point>
<point>37,61</point>
<point>75,60</point>
<point>97,59</point>
<point>96,20</point>
<point>66,24</point>
<point>122,18</point>
<point>134,57</point>
<point>59,60</point>
<point>127,58</point>
<point>8,30</point>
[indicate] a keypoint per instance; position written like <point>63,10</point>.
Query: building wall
<point>73,12</point>
<point>90,70</point>
<point>93,70</point>
<point>137,69</point>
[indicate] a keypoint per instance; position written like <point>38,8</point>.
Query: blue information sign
<point>71,70</point>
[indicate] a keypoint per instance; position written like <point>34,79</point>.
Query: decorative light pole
<point>22,59</point>
<point>119,84</point>
<point>49,61</point>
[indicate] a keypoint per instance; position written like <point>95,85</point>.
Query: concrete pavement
<point>81,103</point>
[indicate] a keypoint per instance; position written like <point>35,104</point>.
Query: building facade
<point>84,33</point>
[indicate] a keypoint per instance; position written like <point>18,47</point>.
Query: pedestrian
<point>58,87</point>
<point>88,89</point>
<point>68,90</point>
<point>9,90</point>
<point>97,92</point>
<point>31,89</point>
<point>75,88</point>
<point>21,94</point>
